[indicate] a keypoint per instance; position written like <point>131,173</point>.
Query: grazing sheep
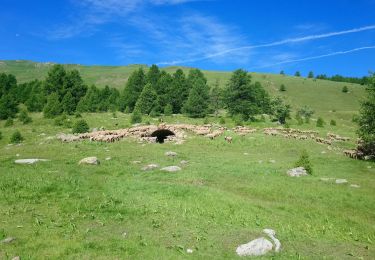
<point>229,139</point>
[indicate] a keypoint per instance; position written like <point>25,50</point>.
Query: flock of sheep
<point>144,133</point>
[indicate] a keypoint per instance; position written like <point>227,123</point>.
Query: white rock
<point>29,161</point>
<point>189,251</point>
<point>245,153</point>
<point>8,240</point>
<point>341,181</point>
<point>171,169</point>
<point>150,167</point>
<point>271,233</point>
<point>256,247</point>
<point>171,154</point>
<point>325,179</point>
<point>297,172</point>
<point>90,160</point>
<point>136,162</point>
<point>272,161</point>
<point>184,162</point>
<point>354,185</point>
<point>108,158</point>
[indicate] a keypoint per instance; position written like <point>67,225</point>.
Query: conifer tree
<point>196,105</point>
<point>68,103</point>
<point>147,100</point>
<point>133,89</point>
<point>53,106</point>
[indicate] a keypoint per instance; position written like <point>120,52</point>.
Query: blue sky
<point>266,36</point>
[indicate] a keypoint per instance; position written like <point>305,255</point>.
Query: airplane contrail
<point>276,43</point>
<point>317,57</point>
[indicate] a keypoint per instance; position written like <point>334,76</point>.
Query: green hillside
<point>322,95</point>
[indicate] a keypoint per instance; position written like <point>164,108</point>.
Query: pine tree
<point>74,83</point>
<point>216,97</point>
<point>164,89</point>
<point>68,104</point>
<point>24,117</point>
<point>282,88</point>
<point>297,74</point>
<point>196,105</point>
<point>80,126</point>
<point>178,91</point>
<point>311,75</point>
<point>153,75</point>
<point>282,73</point>
<point>8,106</point>
<point>54,82</point>
<point>147,100</point>
<point>366,120</point>
<point>132,90</point>
<point>53,106</point>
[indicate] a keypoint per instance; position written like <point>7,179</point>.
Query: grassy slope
<point>222,198</point>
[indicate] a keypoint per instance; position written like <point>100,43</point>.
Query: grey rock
<point>29,161</point>
<point>171,169</point>
<point>90,161</point>
<point>341,181</point>
<point>16,258</point>
<point>256,247</point>
<point>150,167</point>
<point>8,240</point>
<point>171,154</point>
<point>184,162</point>
<point>136,162</point>
<point>297,172</point>
<point>355,186</point>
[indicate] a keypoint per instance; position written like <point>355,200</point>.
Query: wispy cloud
<point>315,57</point>
<point>272,44</point>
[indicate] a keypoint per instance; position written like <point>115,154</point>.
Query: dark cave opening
<point>161,135</point>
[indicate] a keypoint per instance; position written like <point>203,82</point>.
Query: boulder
<point>90,160</point>
<point>256,247</point>
<point>29,161</point>
<point>8,240</point>
<point>183,162</point>
<point>297,172</point>
<point>341,181</point>
<point>171,169</point>
<point>150,167</point>
<point>171,154</point>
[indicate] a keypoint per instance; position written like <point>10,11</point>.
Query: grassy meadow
<point>223,197</point>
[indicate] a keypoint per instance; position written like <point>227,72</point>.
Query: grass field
<point>223,197</point>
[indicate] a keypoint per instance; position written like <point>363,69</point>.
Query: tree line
<point>154,92</point>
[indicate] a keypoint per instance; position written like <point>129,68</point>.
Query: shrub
<point>9,122</point>
<point>345,89</point>
<point>1,135</point>
<point>16,137</point>
<point>154,113</point>
<point>320,122</point>
<point>80,126</point>
<point>206,121</point>
<point>78,115</point>
<point>168,110</point>
<point>63,120</point>
<point>24,117</point>
<point>136,117</point>
<point>222,121</point>
<point>304,162</point>
<point>238,120</point>
<point>282,88</point>
<point>333,122</point>
<point>299,119</point>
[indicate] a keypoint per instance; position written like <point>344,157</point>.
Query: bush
<point>238,120</point>
<point>80,126</point>
<point>333,122</point>
<point>168,110</point>
<point>282,88</point>
<point>304,162</point>
<point>206,121</point>
<point>345,89</point>
<point>24,117</point>
<point>299,119</point>
<point>63,120</point>
<point>16,137</point>
<point>136,117</point>
<point>9,122</point>
<point>222,121</point>
<point>1,135</point>
<point>320,122</point>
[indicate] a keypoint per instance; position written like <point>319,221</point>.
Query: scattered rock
<point>183,162</point>
<point>136,162</point>
<point>272,161</point>
<point>150,167</point>
<point>124,235</point>
<point>16,258</point>
<point>245,153</point>
<point>323,152</point>
<point>90,160</point>
<point>171,169</point>
<point>171,154</point>
<point>189,251</point>
<point>326,179</point>
<point>355,186</point>
<point>108,158</point>
<point>8,240</point>
<point>260,246</point>
<point>341,181</point>
<point>18,155</point>
<point>297,172</point>
<point>29,161</point>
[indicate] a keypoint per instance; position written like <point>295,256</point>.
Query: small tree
<point>345,89</point>
<point>222,120</point>
<point>332,122</point>
<point>68,104</point>
<point>80,126</point>
<point>282,88</point>
<point>147,100</point>
<point>306,112</point>
<point>9,122</point>
<point>136,117</point>
<point>168,110</point>
<point>24,117</point>
<point>304,161</point>
<point>297,74</point>
<point>16,137</point>
<point>1,135</point>
<point>299,119</point>
<point>53,106</point>
<point>280,110</point>
<point>282,73</point>
<point>320,122</point>
<point>311,75</point>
